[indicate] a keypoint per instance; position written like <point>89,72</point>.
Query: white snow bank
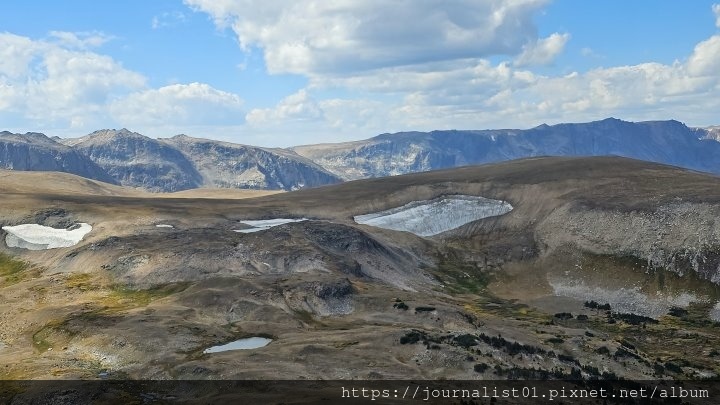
<point>242,344</point>
<point>164,226</point>
<point>39,237</point>
<point>263,224</point>
<point>624,300</point>
<point>432,217</point>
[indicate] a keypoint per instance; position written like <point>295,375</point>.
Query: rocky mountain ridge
<point>37,152</point>
<point>669,142</point>
<point>229,165</point>
<point>183,162</point>
<point>138,161</point>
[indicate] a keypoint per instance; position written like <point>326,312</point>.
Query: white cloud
<point>52,82</point>
<point>358,116</point>
<point>295,107</point>
<point>478,94</point>
<point>477,78</point>
<point>79,40</point>
<point>168,19</point>
<point>58,86</point>
<point>716,10</point>
<point>705,59</point>
<point>435,73</point>
<point>520,98</point>
<point>474,93</point>
<point>590,53</point>
<point>543,51</point>
<point>300,119</point>
<point>345,36</point>
<point>16,53</point>
<point>178,104</point>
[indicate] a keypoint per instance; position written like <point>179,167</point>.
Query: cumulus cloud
<point>716,10</point>
<point>480,94</point>
<point>433,73</point>
<point>505,95</point>
<point>705,59</point>
<point>48,81</point>
<point>543,51</point>
<point>16,52</point>
<point>57,84</point>
<point>179,104</point>
<point>295,107</point>
<point>345,36</point>
<point>475,93</point>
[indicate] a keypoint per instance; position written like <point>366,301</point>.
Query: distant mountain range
<point>182,162</point>
<point>669,142</point>
<point>178,163</point>
<point>36,152</point>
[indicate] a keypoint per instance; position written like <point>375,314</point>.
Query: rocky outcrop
<point>681,237</point>
<point>710,133</point>
<point>322,298</point>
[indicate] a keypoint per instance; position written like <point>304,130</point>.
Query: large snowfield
<point>263,224</point>
<point>432,217</point>
<point>242,344</point>
<point>39,237</point>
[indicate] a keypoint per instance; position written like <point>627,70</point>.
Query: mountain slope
<point>509,293</point>
<point>669,142</point>
<point>228,165</point>
<point>37,152</point>
<point>138,161</point>
<point>35,182</point>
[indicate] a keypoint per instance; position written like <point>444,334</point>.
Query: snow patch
<point>264,224</point>
<point>242,344</point>
<point>164,226</point>
<point>624,300</point>
<point>39,237</point>
<point>432,217</point>
<point>715,312</point>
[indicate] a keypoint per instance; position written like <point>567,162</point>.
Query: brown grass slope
<point>142,301</point>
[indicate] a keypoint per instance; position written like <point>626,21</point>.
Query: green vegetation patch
<point>124,296</point>
<point>12,271</point>
<point>119,298</point>
<point>80,281</point>
<point>41,338</point>
<point>461,277</point>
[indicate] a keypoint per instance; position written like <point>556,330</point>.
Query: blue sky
<point>284,73</point>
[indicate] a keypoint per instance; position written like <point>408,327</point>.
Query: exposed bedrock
<point>678,237</point>
<point>322,298</point>
<point>310,247</point>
